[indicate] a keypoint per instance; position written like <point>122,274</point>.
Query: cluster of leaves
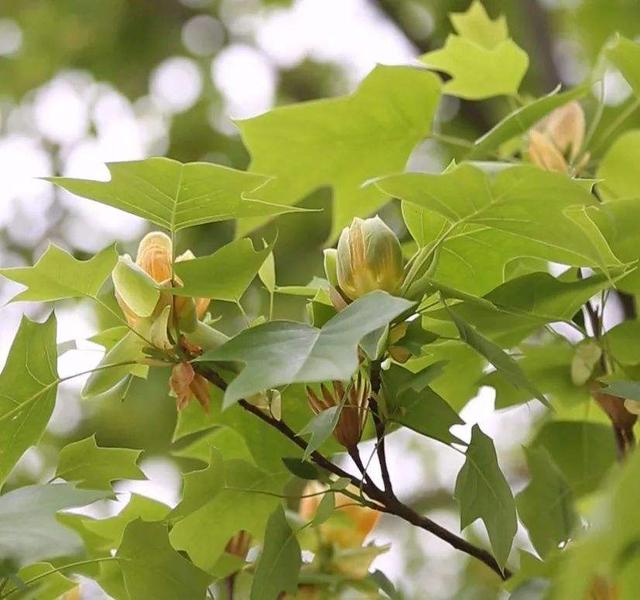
<point>477,307</point>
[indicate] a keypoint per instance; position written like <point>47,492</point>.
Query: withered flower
<point>185,384</point>
<point>355,403</point>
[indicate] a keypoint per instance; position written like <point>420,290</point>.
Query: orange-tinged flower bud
<point>544,154</point>
<point>369,258</point>
<point>565,127</point>
<point>354,400</point>
<point>350,524</point>
<point>155,256</point>
<point>239,544</point>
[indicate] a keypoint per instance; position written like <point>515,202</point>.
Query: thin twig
<point>383,500</point>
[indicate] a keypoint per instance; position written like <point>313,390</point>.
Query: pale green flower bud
<point>369,258</point>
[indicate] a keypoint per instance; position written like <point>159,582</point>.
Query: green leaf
<point>281,352</point>
<point>138,289</point>
<point>522,201</point>
<point>224,275</point>
<point>546,504</point>
<point>625,55</point>
<point>176,195</point>
<point>51,587</point>
<point>280,561</point>
<point>94,467</point>
<point>509,368</point>
<point>29,531</point>
<point>226,497</point>
<point>320,427</point>
<point>583,451</point>
<point>28,385</point>
<point>153,569</point>
<point>482,60</point>
<point>58,275</point>
<point>483,493</point>
<point>301,468</point>
<point>267,273</point>
<point>519,121</point>
<point>617,170</point>
<point>116,365</point>
<point>342,142</point>
<point>422,410</point>
<point>621,342</point>
<point>624,389</point>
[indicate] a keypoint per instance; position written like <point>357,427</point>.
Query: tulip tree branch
<point>383,500</point>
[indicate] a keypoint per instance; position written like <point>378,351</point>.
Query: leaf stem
<point>57,570</point>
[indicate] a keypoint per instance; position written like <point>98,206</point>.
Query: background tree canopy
<point>501,151</point>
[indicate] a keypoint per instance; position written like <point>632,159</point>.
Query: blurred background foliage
<point>82,83</point>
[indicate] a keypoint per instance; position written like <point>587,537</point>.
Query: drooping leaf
<point>224,275</point>
<point>29,531</point>
<point>482,60</point>
<point>28,385</point>
<point>546,504</point>
<point>506,364</point>
<point>625,54</point>
<point>176,195</point>
<point>301,468</point>
<point>280,561</point>
<point>523,201</point>
<point>58,275</point>
<point>153,569</point>
<point>280,352</point>
<point>343,142</point>
<point>94,467</point>
<point>483,493</point>
<point>624,389</point>
<point>583,451</point>
<point>522,119</point>
<point>226,497</point>
<point>319,429</point>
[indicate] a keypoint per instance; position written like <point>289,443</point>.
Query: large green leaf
<point>342,142</point>
<point>583,451</point>
<point>28,385</point>
<point>482,60</point>
<point>522,119</point>
<point>225,275</point>
<point>483,493</point>
<point>542,209</point>
<point>280,561</point>
<point>29,531</point>
<point>226,497</point>
<point>625,54</point>
<point>617,170</point>
<point>153,569</point>
<point>94,467</point>
<point>282,352</point>
<point>545,506</point>
<point>176,195</point>
<point>58,275</point>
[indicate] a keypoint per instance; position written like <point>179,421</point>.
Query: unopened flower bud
<point>353,415</point>
<point>349,528</point>
<point>239,544</point>
<point>556,141</point>
<point>155,256</point>
<point>369,258</point>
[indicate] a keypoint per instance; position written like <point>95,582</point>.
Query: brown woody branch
<point>383,500</point>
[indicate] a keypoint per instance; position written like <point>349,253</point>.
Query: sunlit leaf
<point>28,385</point>
<point>176,195</point>
<point>58,275</point>
<point>342,142</point>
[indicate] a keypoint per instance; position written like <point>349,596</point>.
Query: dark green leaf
<point>301,468</point>
<point>483,493</point>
